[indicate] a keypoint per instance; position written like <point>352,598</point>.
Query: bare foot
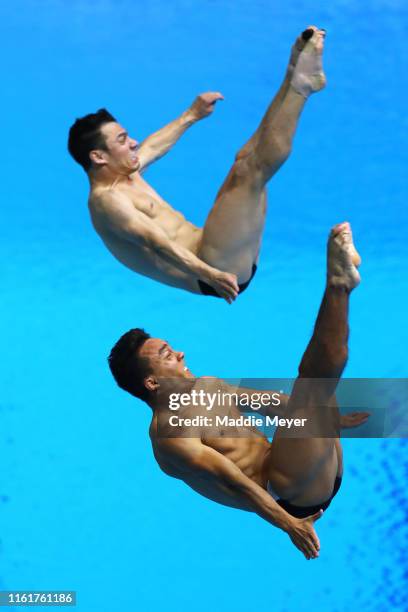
<point>342,258</point>
<point>306,62</point>
<point>298,46</point>
<point>295,51</point>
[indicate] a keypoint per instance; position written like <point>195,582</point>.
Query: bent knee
<point>260,161</point>
<point>246,170</point>
<point>327,361</point>
<point>282,148</point>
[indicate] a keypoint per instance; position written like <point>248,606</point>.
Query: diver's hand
<point>303,535</point>
<point>353,419</point>
<point>204,104</point>
<point>224,283</point>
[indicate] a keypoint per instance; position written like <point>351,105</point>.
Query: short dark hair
<point>126,365</point>
<point>85,136</point>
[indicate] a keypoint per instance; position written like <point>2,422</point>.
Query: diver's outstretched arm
<point>190,455</point>
<point>159,143</point>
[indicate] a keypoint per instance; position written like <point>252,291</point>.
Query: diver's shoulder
<point>161,452</point>
<point>153,429</point>
<point>103,197</point>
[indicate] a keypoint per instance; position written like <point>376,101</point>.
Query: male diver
<point>146,234</point>
<point>288,482</point>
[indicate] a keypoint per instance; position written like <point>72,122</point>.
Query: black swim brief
<point>304,511</point>
<point>208,290</point>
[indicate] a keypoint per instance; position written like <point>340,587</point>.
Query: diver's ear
<point>98,157</point>
<point>151,383</point>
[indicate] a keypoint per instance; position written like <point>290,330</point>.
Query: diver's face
<point>164,361</point>
<point>121,154</point>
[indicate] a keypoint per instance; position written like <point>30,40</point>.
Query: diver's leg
<point>284,88</point>
<point>233,230</point>
<point>311,463</point>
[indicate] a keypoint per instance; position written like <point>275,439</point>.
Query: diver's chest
<point>145,202</point>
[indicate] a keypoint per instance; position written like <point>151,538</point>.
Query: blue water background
<point>82,503</point>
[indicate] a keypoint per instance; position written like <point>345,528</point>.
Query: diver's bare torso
<point>245,446</point>
<point>139,258</point>
<point>242,449</point>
